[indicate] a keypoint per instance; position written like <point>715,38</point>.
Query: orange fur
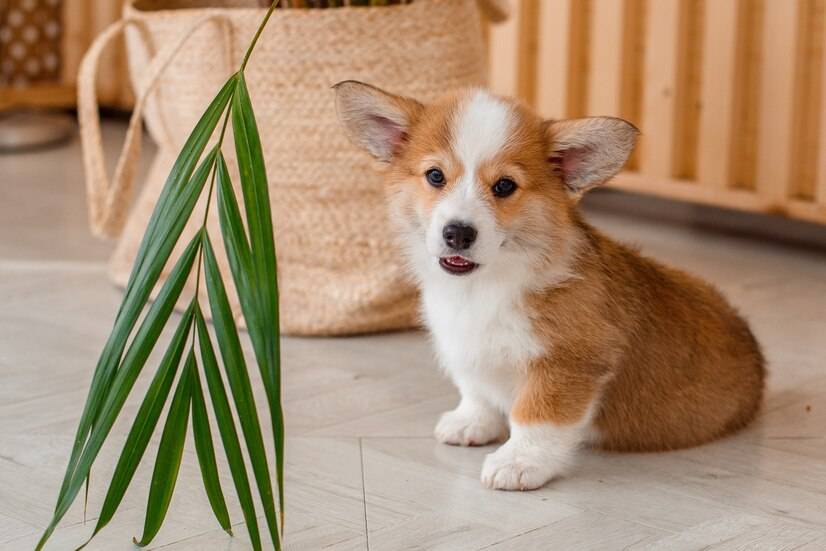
<point>663,356</point>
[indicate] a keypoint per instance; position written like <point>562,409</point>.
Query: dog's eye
<point>503,187</point>
<point>435,177</point>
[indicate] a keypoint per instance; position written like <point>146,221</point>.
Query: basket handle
<point>107,201</point>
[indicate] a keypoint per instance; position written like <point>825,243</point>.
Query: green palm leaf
<point>125,378</point>
<point>206,454</point>
<point>144,425</point>
<point>148,265</point>
<point>235,367</point>
<point>260,304</point>
<point>170,451</point>
<point>226,427</point>
<point>127,349</point>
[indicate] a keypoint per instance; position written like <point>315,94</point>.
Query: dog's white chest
<point>483,337</point>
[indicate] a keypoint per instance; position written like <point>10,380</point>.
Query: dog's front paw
<point>463,427</point>
<point>510,468</point>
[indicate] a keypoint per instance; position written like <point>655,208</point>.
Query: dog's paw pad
<point>460,429</point>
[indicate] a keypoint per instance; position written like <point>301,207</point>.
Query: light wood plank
<point>717,93</point>
<point>553,59</point>
<point>747,95</point>
<point>739,199</point>
<point>41,95</point>
<point>777,93</point>
<point>528,46</point>
<point>503,47</point>
<point>660,83</point>
<point>76,35</point>
<point>807,60</point>
<point>606,58</point>
<point>820,192</point>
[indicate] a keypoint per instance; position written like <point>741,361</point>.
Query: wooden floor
<point>363,471</point>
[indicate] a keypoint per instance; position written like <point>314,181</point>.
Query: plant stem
<point>220,143</point>
<point>257,34</point>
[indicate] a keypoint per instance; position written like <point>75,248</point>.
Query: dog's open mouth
<point>457,265</point>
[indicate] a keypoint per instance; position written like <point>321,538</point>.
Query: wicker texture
<point>339,265</point>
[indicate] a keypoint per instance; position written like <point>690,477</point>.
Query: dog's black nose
<point>459,236</point>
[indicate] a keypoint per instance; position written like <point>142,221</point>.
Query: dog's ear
<point>376,120</point>
<point>588,152</point>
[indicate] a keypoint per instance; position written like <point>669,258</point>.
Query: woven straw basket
<point>339,270</point>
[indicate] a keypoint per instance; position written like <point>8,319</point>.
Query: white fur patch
<point>479,324</point>
<point>534,454</point>
<point>473,423</point>
<point>481,332</point>
<point>482,128</point>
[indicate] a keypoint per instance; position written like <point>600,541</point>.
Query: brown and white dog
<point>554,334</point>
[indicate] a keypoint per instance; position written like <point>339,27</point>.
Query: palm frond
<point>127,349</point>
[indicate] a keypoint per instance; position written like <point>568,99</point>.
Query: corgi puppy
<point>555,335</point>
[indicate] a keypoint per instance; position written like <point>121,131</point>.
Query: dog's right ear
<point>376,120</point>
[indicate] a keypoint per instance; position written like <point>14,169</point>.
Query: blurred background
<point>729,94</point>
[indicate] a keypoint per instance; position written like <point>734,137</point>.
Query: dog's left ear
<point>376,120</point>
<point>588,152</point>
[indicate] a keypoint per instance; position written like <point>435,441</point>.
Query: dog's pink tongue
<point>457,261</point>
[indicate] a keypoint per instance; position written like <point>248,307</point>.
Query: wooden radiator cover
<point>730,95</point>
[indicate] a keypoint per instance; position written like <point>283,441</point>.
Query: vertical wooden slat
<point>528,46</point>
<point>687,100</point>
<point>83,20</point>
<point>103,13</point>
<point>77,30</point>
<point>513,52</point>
<point>563,58</point>
<point>579,71</point>
<point>820,192</point>
<point>633,48</point>
<point>777,92</point>
<point>717,93</point>
<point>606,58</point>
<point>806,115</point>
<point>503,46</point>
<point>660,88</point>
<point>750,23</point>
<point>553,59</point>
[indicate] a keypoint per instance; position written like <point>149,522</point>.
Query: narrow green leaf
<point>261,311</point>
<point>142,429</point>
<point>206,453</point>
<point>182,169</point>
<point>236,369</point>
<point>232,228</point>
<point>170,452</point>
<point>134,360</point>
<point>226,427</point>
<point>144,277</point>
<point>171,227</point>
<point>253,175</point>
<point>240,260</point>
